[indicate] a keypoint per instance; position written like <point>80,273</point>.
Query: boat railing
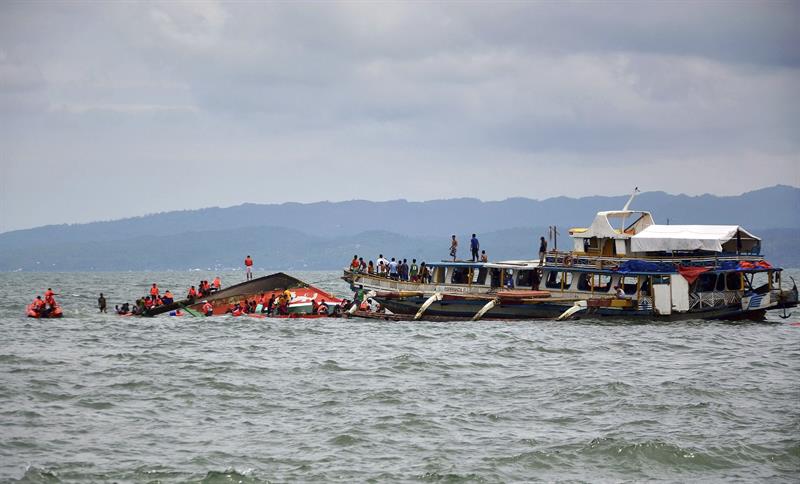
<point>592,261</point>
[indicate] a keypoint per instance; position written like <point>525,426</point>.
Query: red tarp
<point>692,273</point>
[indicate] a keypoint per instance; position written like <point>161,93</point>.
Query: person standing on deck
<point>453,248</point>
<point>101,303</point>
<point>154,292</point>
<point>542,250</point>
<point>414,270</point>
<point>248,267</point>
<point>474,246</point>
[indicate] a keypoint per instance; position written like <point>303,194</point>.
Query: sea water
<point>99,398</point>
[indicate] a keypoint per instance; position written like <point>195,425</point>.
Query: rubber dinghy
<point>224,300</point>
<point>56,312</point>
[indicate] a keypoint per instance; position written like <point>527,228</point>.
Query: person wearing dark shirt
<point>542,250</point>
<point>474,246</point>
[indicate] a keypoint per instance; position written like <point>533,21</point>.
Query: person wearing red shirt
<point>248,264</point>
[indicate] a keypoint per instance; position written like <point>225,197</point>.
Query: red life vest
<point>207,307</point>
<point>217,282</point>
<point>248,262</point>
<point>192,293</point>
<point>154,291</point>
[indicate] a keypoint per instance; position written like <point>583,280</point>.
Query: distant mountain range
<point>325,235</point>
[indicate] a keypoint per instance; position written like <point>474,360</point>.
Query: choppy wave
<point>97,398</point>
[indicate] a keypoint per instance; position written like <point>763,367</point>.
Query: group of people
<point>276,305</point>
<point>43,307</point>
<point>474,247</point>
<point>204,289</point>
<point>396,269</point>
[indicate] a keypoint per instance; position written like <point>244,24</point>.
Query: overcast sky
<point>116,109</point>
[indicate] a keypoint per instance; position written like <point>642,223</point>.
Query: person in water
<point>248,267</point>
<point>208,309</point>
<point>101,303</point>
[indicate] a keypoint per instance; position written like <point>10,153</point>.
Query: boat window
<point>438,275</point>
<point>720,282</point>
<point>660,279</point>
<point>602,283</point>
<point>551,280</point>
<point>733,281</point>
<point>629,285</point>
<point>460,275</point>
<point>480,276</point>
<point>705,283</point>
<point>584,282</point>
<point>495,278</point>
<point>524,278</point>
<point>645,289</point>
<point>565,280</point>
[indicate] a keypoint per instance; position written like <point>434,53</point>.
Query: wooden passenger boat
<point>663,272</point>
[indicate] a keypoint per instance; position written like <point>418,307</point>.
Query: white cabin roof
<point>656,238</point>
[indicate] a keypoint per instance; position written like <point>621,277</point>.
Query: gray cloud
<point>127,108</point>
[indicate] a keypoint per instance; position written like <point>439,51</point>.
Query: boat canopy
<point>713,238</point>
<point>604,222</point>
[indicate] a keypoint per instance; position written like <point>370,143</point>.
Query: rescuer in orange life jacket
<point>192,293</point>
<point>167,299</point>
<point>248,264</point>
<point>217,283</point>
<point>154,291</point>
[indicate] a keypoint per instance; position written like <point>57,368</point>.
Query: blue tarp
<point>630,266</point>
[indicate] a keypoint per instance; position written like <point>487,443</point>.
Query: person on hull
<point>248,267</point>
<point>217,284</point>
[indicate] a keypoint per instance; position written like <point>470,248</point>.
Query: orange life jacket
<point>38,303</point>
<point>192,293</point>
<point>248,262</point>
<point>217,282</point>
<point>154,291</point>
<point>207,307</point>
<point>168,295</point>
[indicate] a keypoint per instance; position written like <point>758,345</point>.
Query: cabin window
<point>705,283</point>
<point>524,278</point>
<point>733,281</point>
<point>438,275</point>
<point>496,278</point>
<point>629,285</point>
<point>480,276</point>
<point>585,282</point>
<point>645,288</point>
<point>602,283</point>
<point>460,275</point>
<point>720,282</point>
<point>555,279</point>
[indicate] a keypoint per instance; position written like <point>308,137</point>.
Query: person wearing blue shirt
<point>474,246</point>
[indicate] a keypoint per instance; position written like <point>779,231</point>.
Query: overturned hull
<point>224,300</point>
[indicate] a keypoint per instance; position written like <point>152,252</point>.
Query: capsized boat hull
<point>274,284</point>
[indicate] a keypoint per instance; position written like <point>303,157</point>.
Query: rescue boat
<point>56,312</point>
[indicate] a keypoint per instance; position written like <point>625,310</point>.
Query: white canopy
<point>667,238</point>
<point>603,224</point>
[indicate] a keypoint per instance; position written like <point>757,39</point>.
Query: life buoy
<point>568,261</point>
